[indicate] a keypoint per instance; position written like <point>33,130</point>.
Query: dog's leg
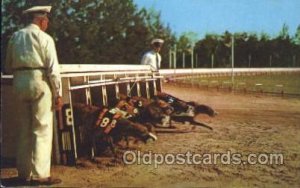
<point>202,124</point>
<point>171,126</point>
<point>93,149</point>
<point>170,123</point>
<point>127,141</point>
<point>93,146</point>
<point>150,126</point>
<point>112,146</point>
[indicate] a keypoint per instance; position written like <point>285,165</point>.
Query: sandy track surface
<point>246,124</point>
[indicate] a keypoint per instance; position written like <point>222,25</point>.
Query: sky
<point>217,16</point>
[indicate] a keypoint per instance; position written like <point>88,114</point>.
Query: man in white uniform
<point>32,59</point>
<point>153,57</point>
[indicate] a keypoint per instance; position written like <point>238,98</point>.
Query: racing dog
<point>102,126</point>
<point>186,111</point>
<point>151,112</point>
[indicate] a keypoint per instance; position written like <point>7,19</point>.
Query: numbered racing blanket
<point>108,118</point>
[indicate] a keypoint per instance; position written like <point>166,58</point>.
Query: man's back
<point>28,48</point>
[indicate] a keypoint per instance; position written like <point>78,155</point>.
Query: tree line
<point>117,32</point>
<point>94,31</point>
<point>250,50</point>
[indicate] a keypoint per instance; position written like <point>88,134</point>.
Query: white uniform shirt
<point>150,58</point>
<point>31,47</point>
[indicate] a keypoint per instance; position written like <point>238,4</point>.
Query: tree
<point>10,22</point>
<point>156,29</point>
<point>296,47</point>
<point>185,44</point>
<point>296,38</point>
<point>94,31</point>
<point>283,48</point>
<point>210,45</point>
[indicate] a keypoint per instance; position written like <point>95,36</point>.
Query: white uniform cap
<point>157,41</point>
<point>46,9</point>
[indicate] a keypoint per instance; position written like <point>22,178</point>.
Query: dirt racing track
<point>246,124</point>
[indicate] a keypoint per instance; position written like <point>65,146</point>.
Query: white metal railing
<point>90,70</point>
<point>175,72</point>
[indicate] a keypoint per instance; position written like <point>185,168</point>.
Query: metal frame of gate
<point>98,85</point>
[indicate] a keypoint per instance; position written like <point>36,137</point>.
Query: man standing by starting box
<point>32,59</point>
<point>153,57</point>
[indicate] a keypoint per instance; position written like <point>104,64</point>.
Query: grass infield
<point>287,82</point>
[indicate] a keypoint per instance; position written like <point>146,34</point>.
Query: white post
<point>212,60</point>
<point>232,60</point>
<point>196,57</point>
<point>175,60</point>
<point>170,58</point>
<point>192,57</point>
<point>249,60</point>
<point>183,59</point>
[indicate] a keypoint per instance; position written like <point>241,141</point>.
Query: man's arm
<point>8,59</point>
<point>144,60</point>
<point>159,62</point>
<point>53,72</point>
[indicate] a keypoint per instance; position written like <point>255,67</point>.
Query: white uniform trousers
<point>34,100</point>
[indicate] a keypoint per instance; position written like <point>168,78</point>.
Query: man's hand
<point>58,103</point>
